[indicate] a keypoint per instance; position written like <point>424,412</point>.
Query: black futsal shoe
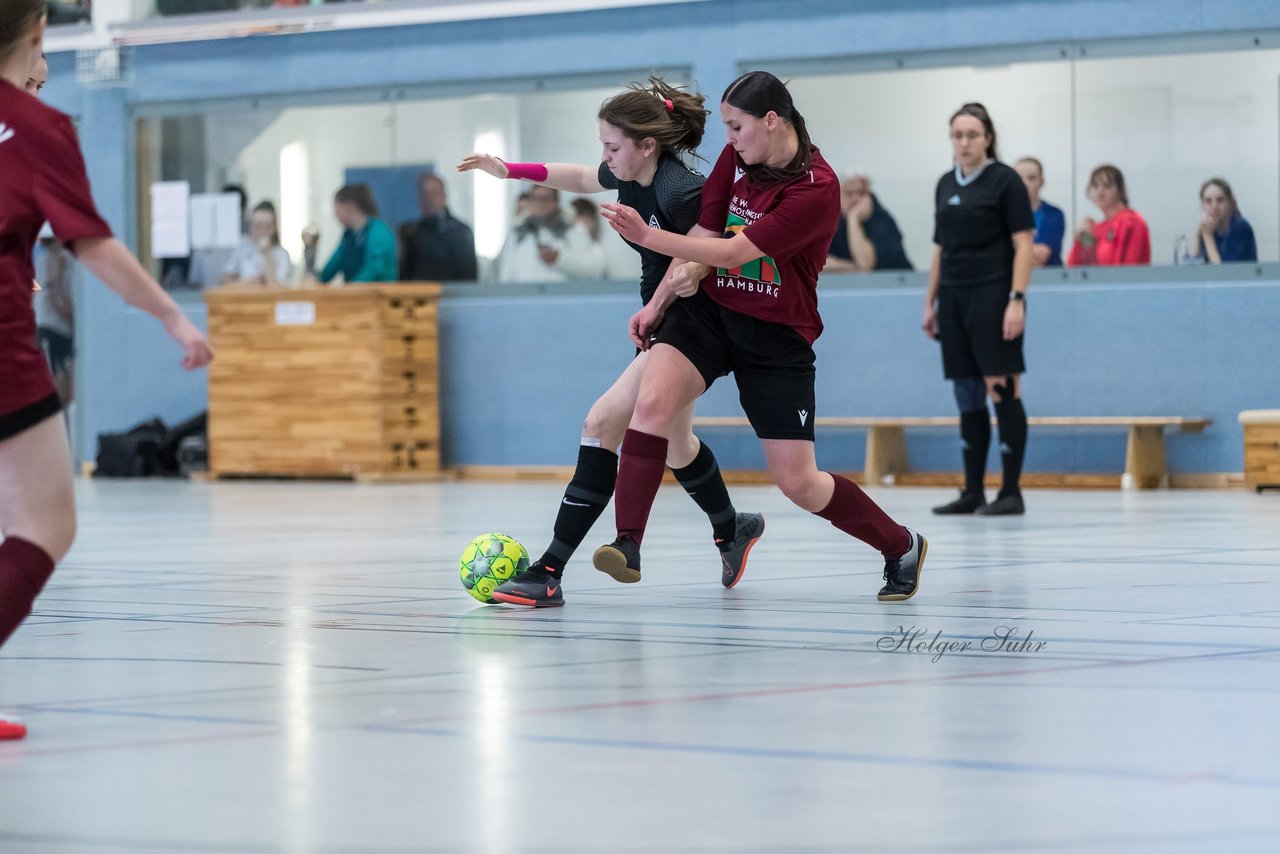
<point>533,588</point>
<point>733,554</point>
<point>1004,505</point>
<point>620,559</point>
<point>967,503</point>
<point>902,574</point>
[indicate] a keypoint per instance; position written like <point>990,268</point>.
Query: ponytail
<point>672,117</point>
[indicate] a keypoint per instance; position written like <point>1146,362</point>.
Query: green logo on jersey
<point>763,270</point>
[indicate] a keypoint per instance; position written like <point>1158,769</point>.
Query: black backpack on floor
<point>134,453</point>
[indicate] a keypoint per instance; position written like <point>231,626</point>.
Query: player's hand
<point>643,324</point>
<point>626,221</point>
<point>485,163</point>
<point>687,278</point>
<point>930,324</point>
<point>1015,319</point>
<point>196,352</point>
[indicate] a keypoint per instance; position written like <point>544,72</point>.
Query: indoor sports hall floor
<point>281,666</point>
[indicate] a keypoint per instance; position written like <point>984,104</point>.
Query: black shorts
<point>771,363</point>
<point>971,328</point>
<point>28,416</point>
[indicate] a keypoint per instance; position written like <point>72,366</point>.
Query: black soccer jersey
<point>974,224</point>
<point>672,202</point>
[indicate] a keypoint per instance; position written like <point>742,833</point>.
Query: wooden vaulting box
<point>325,382</point>
<point>1261,448</point>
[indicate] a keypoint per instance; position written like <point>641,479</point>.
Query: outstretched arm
<point>111,262</point>
<point>569,177</point>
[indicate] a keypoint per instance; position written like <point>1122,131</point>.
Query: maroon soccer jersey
<point>791,223</point>
<point>42,177</point>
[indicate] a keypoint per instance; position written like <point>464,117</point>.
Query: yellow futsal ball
<point>489,560</point>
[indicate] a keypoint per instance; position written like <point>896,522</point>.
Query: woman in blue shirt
<point>367,252</point>
<point>1051,224</point>
<point>1224,234</point>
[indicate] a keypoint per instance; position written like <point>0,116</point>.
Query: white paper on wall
<point>215,220</point>
<point>170,235</point>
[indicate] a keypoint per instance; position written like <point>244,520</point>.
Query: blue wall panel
<point>519,374</point>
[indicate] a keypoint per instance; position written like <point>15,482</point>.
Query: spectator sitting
<point>587,214</point>
<point>867,237</point>
<point>546,247</point>
<point>260,259</point>
<point>367,252</point>
<point>591,262</point>
<point>1122,237</point>
<point>438,247</point>
<point>1051,224</point>
<point>1224,234</point>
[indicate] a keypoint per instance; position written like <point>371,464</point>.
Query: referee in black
<point>976,305</point>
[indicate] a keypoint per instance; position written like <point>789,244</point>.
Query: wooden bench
<point>1144,466</point>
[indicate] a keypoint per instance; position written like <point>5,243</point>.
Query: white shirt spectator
<point>248,262</point>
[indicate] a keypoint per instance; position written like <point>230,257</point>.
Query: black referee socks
<point>1011,418</point>
<point>975,438</point>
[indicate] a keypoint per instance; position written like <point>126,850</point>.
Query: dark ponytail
<point>979,112</point>
<point>758,93</point>
<point>670,116</point>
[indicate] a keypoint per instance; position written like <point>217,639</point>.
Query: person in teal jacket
<point>367,252</point>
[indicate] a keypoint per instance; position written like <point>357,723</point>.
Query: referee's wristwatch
<point>1017,296</point>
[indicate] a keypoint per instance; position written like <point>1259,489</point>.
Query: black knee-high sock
<point>975,438</point>
<point>705,485</point>
<point>585,498</point>
<point>1011,418</point>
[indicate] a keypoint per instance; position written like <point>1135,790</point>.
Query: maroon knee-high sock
<point>852,511</point>
<point>24,568</point>
<point>640,469</point>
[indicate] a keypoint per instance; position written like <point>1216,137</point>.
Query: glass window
<point>892,127</point>
<point>298,156</point>
<point>1170,123</point>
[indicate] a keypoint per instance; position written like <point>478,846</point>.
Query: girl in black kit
<point>644,131</point>
<point>976,304</point>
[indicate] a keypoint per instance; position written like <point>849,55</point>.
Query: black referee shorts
<point>771,363</point>
<point>971,328</point>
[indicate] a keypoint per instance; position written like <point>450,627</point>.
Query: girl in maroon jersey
<point>769,211</point>
<point>42,177</point>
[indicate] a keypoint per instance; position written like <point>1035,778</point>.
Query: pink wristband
<point>526,171</point>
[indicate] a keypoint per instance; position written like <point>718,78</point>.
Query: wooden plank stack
<point>325,382</point>
<point>1261,448</point>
